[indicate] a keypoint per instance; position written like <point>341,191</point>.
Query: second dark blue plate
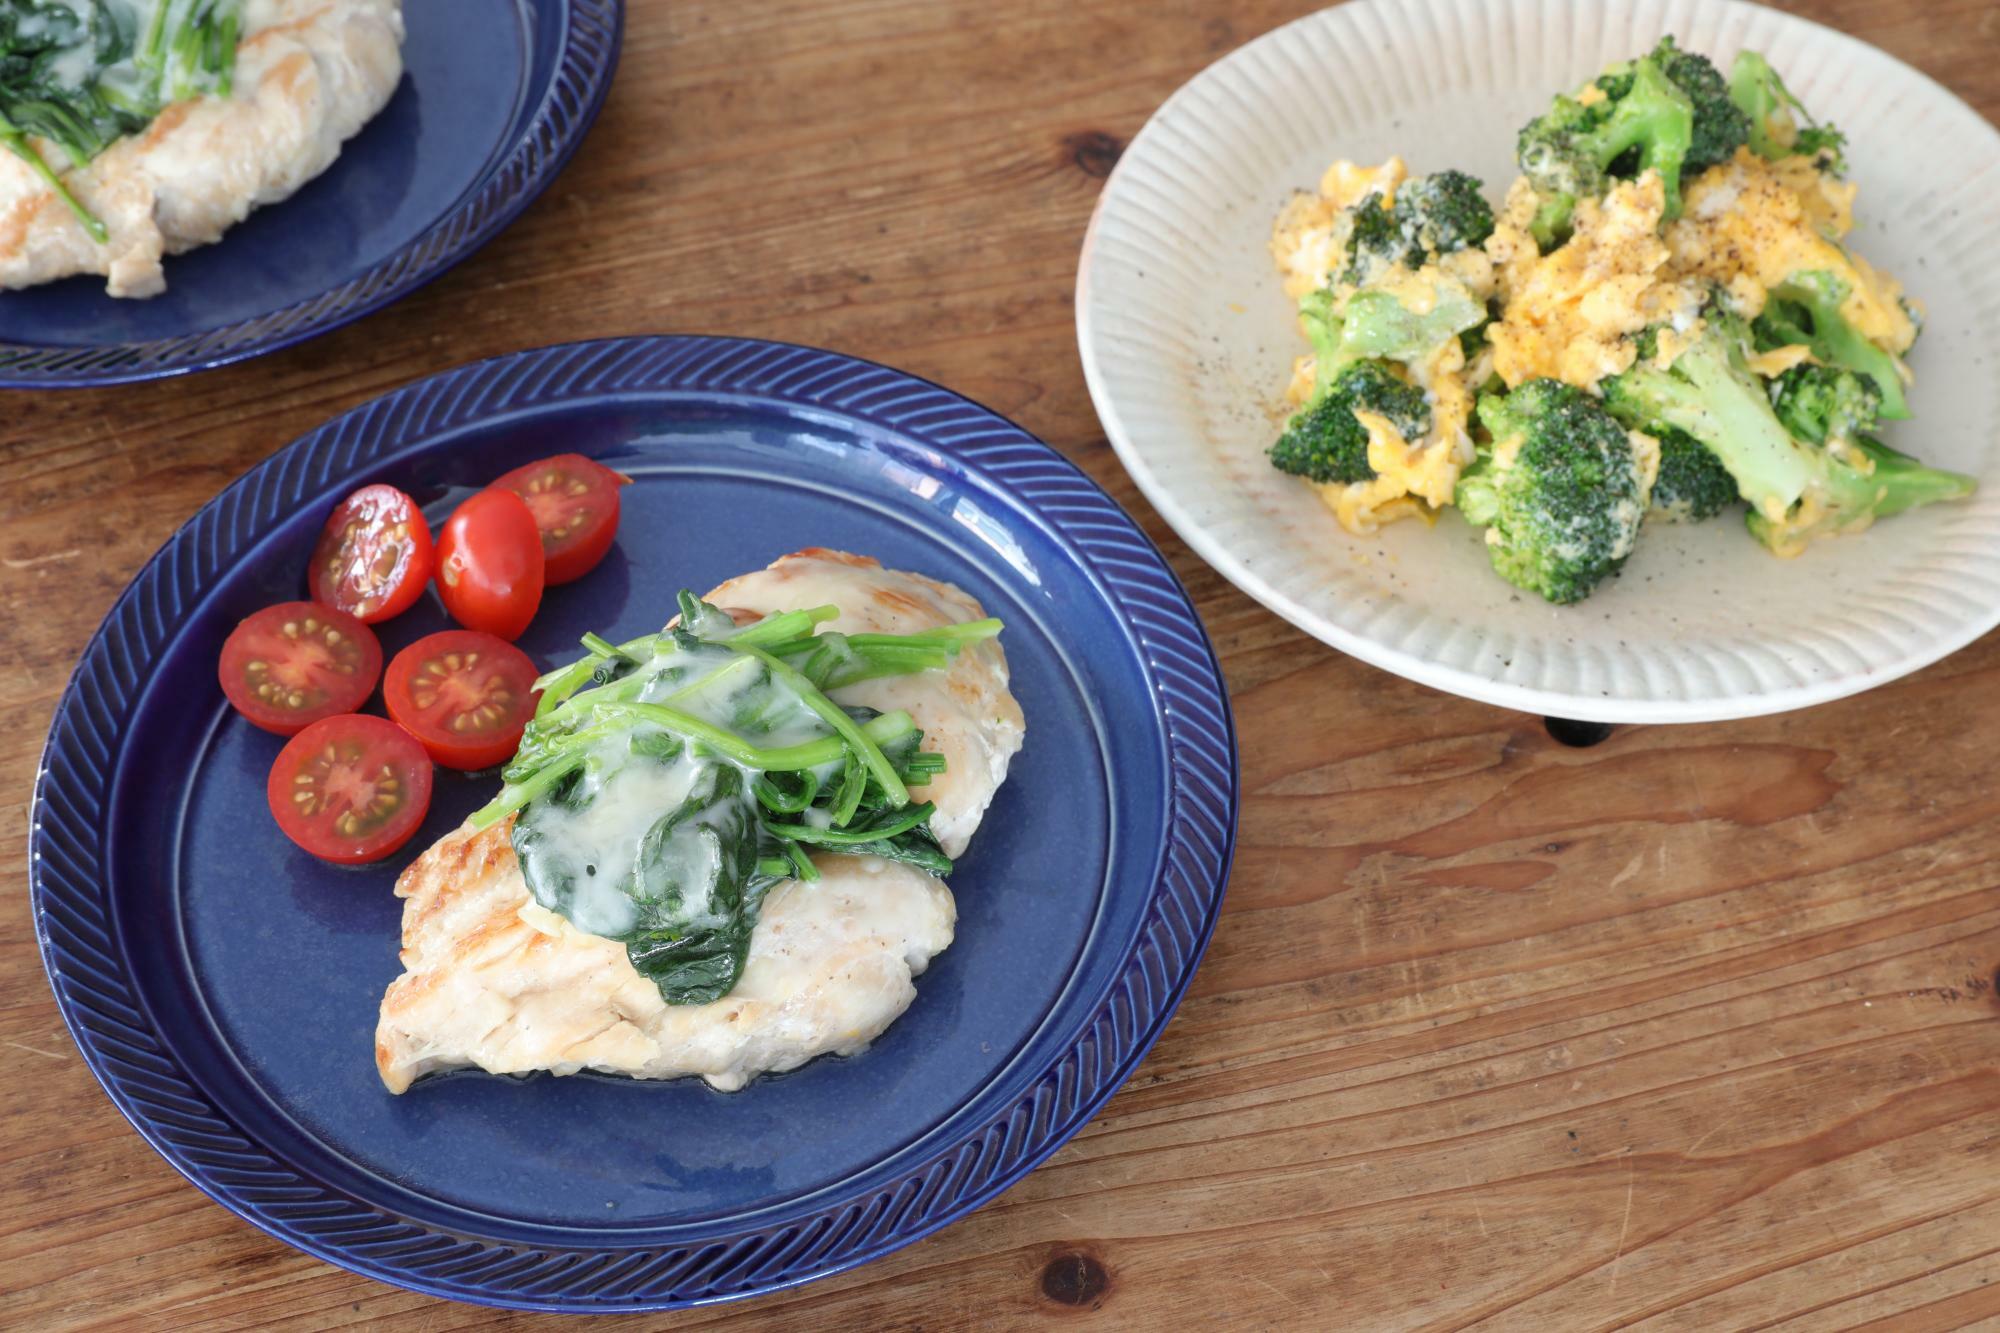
<point>495,97</point>
<point>224,986</point>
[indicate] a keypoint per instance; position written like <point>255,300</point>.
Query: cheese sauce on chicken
<point>496,981</point>
<point>309,74</point>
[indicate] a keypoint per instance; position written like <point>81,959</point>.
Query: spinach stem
<point>516,795</point>
<point>836,717</point>
<point>782,627</point>
<point>18,143</point>
<point>910,817</point>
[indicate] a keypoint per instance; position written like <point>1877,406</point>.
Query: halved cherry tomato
<point>294,663</point>
<point>351,788</point>
<point>490,568</point>
<point>465,695</point>
<point>575,504</point>
<point>374,555</point>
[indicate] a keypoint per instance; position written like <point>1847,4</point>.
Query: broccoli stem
<point>1706,395</point>
<point>1847,499</point>
<point>1754,87</point>
<point>1901,482</point>
<point>1833,340</point>
<point>1656,118</point>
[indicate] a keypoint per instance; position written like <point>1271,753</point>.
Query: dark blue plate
<point>224,986</point>
<point>496,96</point>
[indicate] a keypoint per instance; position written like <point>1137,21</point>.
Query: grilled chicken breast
<point>309,74</point>
<point>495,981</point>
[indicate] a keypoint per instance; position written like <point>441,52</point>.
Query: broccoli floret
<point>1827,147</point>
<point>1768,108</point>
<point>1561,490</point>
<point>1866,479</point>
<point>1443,212</point>
<point>1325,442</point>
<point>1797,489</point>
<point>1692,485</point>
<point>1433,215</point>
<point>1373,239</point>
<point>1819,403</point>
<point>1375,325</point>
<point>1667,110</point>
<point>1720,128</point>
<point>1805,308</point>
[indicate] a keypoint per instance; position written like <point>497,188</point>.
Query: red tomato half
<point>351,788</point>
<point>575,504</point>
<point>374,555</point>
<point>490,568</point>
<point>297,662</point>
<point>465,695</point>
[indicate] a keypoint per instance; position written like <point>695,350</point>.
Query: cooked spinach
<point>80,74</point>
<point>666,784</point>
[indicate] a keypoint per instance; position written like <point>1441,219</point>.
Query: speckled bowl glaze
<point>1187,341</point>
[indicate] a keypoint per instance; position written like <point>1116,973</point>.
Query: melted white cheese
<point>309,74</point>
<point>623,798</point>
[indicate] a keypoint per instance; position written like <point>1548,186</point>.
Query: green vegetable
<point>80,74</point>
<point>1669,111</point>
<point>1709,392</point>
<point>1374,325</point>
<point>1862,479</point>
<point>1820,402</point>
<point>1361,331</point>
<point>667,783</point>
<point>1805,309</point>
<point>1432,216</point>
<point>1796,450</point>
<point>1772,114</point>
<point>1719,126</point>
<point>1692,485</point>
<point>1854,487</point>
<point>1325,442</point>
<point>1560,489</point>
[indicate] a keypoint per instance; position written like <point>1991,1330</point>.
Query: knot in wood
<point>1094,152</point>
<point>1075,1278</point>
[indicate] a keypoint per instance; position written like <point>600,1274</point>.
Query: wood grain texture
<point>1696,1029</point>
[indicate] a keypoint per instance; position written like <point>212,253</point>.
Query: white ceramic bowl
<point>1187,341</point>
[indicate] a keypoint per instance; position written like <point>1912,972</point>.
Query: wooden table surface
<point>1693,1029</point>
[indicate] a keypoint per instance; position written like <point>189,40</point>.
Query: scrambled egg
<point>1308,244</point>
<point>1412,477</point>
<point>1309,237</point>
<point>1569,314</point>
<point>1750,223</point>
